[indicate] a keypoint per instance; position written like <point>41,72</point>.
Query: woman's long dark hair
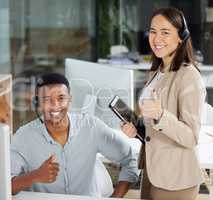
<point>184,52</point>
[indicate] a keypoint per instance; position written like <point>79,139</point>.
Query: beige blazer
<point>171,159</point>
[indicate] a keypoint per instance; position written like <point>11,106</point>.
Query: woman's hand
<point>129,129</point>
<point>151,108</point>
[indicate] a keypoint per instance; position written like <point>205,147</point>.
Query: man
<point>57,152</point>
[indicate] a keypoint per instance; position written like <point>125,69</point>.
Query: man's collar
<point>47,136</point>
<point>50,139</point>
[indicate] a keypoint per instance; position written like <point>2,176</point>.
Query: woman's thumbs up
<point>151,108</point>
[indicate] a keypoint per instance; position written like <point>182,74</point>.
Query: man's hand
<point>48,171</point>
<point>121,189</point>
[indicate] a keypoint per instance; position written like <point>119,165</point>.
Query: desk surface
<point>51,196</point>
<point>147,65</point>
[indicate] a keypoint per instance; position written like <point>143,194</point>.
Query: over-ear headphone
<point>184,32</point>
<point>35,101</point>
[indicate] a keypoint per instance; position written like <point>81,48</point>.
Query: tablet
<point>119,107</point>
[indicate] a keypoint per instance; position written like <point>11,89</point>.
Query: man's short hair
<point>51,78</point>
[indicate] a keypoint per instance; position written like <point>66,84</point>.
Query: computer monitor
<point>5,183</point>
<point>94,85</point>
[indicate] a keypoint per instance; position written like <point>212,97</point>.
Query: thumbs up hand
<point>48,171</point>
<point>151,108</point>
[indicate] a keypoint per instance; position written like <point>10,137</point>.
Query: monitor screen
<point>94,85</point>
<point>5,183</point>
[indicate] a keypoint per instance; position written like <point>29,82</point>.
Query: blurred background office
<point>37,36</point>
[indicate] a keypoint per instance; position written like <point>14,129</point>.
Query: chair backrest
<point>118,49</point>
<point>207,115</point>
<point>103,179</point>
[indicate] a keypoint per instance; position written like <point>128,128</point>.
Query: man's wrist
<point>121,189</point>
<point>22,182</point>
<point>34,176</point>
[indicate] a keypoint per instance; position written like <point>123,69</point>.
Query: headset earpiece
<point>184,32</point>
<point>36,101</point>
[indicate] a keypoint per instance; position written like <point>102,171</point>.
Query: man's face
<point>54,102</point>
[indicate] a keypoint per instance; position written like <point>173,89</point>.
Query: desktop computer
<point>94,85</point>
<point>5,182</point>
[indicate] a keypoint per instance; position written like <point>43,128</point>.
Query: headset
<point>184,32</point>
<point>35,102</point>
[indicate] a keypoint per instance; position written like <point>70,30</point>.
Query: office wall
<point>18,19</point>
<point>61,14</point>
<point>4,37</point>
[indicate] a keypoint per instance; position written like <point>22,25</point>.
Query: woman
<point>170,104</point>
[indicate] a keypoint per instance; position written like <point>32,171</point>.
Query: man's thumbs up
<point>53,158</point>
<point>48,171</point>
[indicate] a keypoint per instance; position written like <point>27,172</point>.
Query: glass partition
<point>42,34</point>
<point>4,37</point>
<point>36,36</point>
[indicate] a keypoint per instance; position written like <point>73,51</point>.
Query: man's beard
<point>57,121</point>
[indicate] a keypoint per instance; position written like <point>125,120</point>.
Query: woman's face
<point>163,38</point>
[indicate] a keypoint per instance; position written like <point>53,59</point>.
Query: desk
<point>51,196</point>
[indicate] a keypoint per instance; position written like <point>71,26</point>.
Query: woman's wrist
<point>156,121</point>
